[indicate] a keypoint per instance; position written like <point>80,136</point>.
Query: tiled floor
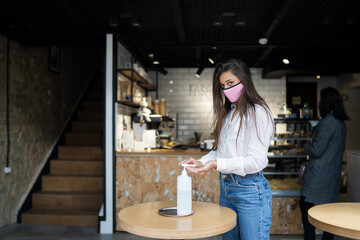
<point>34,232</point>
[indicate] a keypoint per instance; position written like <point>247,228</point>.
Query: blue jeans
<point>250,197</point>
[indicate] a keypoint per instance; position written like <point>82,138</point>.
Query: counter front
<point>151,176</point>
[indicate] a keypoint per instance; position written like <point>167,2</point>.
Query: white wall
<point>191,98</point>
<point>349,84</point>
<point>353,125</point>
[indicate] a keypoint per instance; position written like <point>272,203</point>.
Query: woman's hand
<point>191,161</point>
<point>203,169</point>
<point>199,168</point>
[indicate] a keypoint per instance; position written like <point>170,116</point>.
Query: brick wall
<point>191,98</point>
<point>40,103</point>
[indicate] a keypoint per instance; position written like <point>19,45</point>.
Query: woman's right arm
<point>212,155</point>
<point>201,162</point>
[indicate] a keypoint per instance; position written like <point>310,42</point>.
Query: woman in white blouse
<point>243,129</point>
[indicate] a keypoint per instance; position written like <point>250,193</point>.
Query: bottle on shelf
<point>156,107</point>
<point>162,107</point>
<point>127,138</point>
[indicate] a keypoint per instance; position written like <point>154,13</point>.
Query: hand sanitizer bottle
<point>184,198</point>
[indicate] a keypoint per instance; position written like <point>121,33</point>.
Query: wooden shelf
<point>137,78</point>
<point>294,120</point>
<point>129,103</point>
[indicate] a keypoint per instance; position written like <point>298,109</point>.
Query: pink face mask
<point>233,93</point>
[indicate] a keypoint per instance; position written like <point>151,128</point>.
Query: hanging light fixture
<point>199,71</point>
<point>154,58</point>
<point>113,21</point>
<point>213,59</point>
<point>240,19</point>
<point>217,19</point>
<point>135,21</point>
<point>351,17</point>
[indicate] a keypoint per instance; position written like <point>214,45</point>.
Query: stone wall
<point>41,101</point>
<point>191,98</point>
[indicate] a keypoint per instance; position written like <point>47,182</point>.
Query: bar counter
<point>151,176</point>
<point>165,152</point>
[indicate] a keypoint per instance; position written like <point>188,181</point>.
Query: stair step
<point>60,217</point>
<point>93,105</point>
<point>90,115</point>
<point>95,95</point>
<point>86,127</point>
<point>79,152</point>
<point>82,139</point>
<point>72,183</point>
<point>67,200</point>
<point>76,167</point>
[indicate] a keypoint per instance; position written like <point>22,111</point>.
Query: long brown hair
<point>246,103</point>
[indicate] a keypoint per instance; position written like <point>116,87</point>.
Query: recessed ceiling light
<point>263,41</point>
<point>286,61</point>
<point>156,62</point>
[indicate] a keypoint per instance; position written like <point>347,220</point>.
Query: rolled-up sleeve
<point>210,156</point>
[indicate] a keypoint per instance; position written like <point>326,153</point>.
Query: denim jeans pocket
<point>245,182</point>
<point>268,193</point>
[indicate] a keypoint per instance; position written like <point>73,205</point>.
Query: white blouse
<point>248,153</point>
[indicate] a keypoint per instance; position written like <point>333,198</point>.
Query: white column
<point>107,226</point>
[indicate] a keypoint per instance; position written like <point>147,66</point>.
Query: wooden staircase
<point>71,194</point>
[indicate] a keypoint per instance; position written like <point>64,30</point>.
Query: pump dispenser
<point>184,197</point>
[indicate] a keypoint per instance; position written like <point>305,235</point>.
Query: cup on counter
<point>164,139</point>
<point>164,142</point>
<point>208,144</point>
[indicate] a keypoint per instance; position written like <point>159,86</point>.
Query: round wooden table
<point>342,219</point>
<point>207,220</point>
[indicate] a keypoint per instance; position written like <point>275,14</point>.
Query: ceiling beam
<point>251,44</point>
<point>308,67</point>
<point>279,18</point>
<point>179,23</point>
<point>198,54</point>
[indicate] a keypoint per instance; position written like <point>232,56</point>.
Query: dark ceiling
<point>317,36</point>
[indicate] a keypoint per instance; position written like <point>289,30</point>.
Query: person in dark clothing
<point>322,180</point>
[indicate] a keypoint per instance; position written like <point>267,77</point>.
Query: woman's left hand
<point>203,169</point>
